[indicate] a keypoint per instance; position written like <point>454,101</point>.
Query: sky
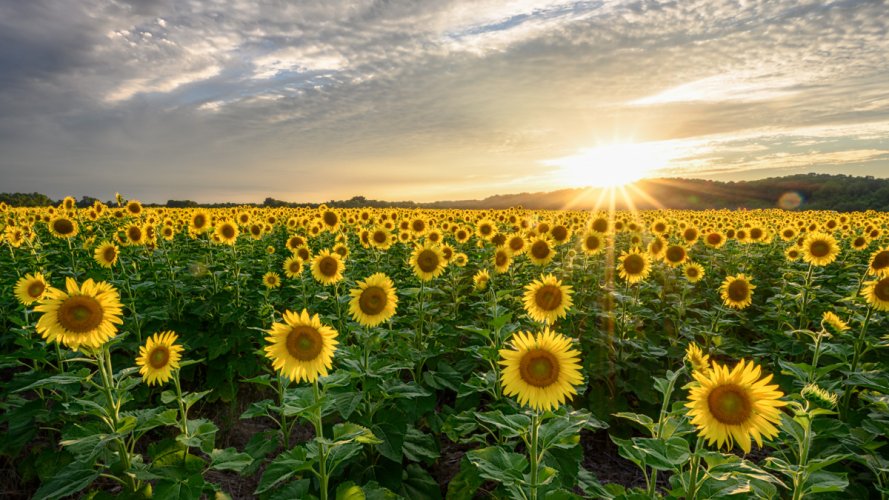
<point>432,100</point>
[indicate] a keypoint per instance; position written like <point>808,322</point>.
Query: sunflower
<point>696,359</point>
<point>793,253</point>
<point>541,369</point>
<point>293,266</point>
<point>714,239</point>
<point>737,291</point>
<point>30,288</point>
<point>834,321</point>
<point>820,249</point>
<point>106,254</point>
<point>547,299</point>
<point>516,244</point>
<point>327,267</point>
<point>460,259</point>
<point>85,315</point>
<point>427,261</point>
<point>675,255</point>
<point>634,266</point>
<point>877,294</point>
<point>592,242</point>
<point>693,272</point>
<point>481,279</point>
<point>502,259</point>
<point>200,222</point>
<point>271,280</point>
<point>159,357</point>
<point>380,238</point>
<point>227,231</point>
<point>729,406</point>
<point>879,263</point>
<point>540,251</point>
<point>134,207</point>
<point>374,301</point>
<point>301,348</point>
<point>63,227</point>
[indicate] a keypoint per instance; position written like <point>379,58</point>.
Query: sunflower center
<point>675,254</point>
<point>540,249</point>
<point>330,218</point>
<point>80,314</point>
<point>634,264</point>
<point>134,233</point>
<point>880,261</point>
<point>159,357</point>
<point>328,266</point>
<point>501,258</point>
<point>379,237</point>
<point>199,221</point>
<point>427,261</point>
<point>592,242</point>
<point>881,289</point>
<point>303,253</point>
<point>730,404</point>
<point>548,297</point>
<point>539,368</point>
<point>373,300</point>
<point>228,232</point>
<point>819,248</point>
<point>295,267</point>
<point>304,343</point>
<point>560,233</point>
<point>109,254</point>
<point>738,290</point>
<point>63,226</point>
<point>600,225</point>
<point>36,288</point>
<point>485,229</point>
<point>418,225</point>
<point>690,234</point>
<point>516,244</point>
<point>691,272</point>
<point>714,238</point>
<point>756,233</point>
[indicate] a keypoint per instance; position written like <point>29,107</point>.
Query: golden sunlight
<point>611,165</point>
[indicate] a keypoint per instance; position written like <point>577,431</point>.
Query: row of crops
<point>288,353</point>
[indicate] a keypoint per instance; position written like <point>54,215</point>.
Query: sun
<point>612,165</point>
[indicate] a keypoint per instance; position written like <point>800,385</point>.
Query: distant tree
<point>181,204</point>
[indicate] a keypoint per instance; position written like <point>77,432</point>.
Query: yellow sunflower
<point>633,266</point>
<point>200,222</point>
<point>159,357</point>
<point>63,227</point>
<point>85,315</point>
<point>293,266</point>
<point>592,242</point>
<point>271,280</point>
<point>427,261</point>
<point>540,251</point>
<point>374,301</point>
<point>834,322</point>
<point>675,255</point>
<point>877,294</point>
<point>227,231</point>
<point>737,291</point>
<point>30,288</point>
<point>327,267</point>
<point>693,272</point>
<point>793,253</point>
<point>301,348</point>
<point>381,238</point>
<point>820,249</point>
<point>502,259</point>
<point>879,263</point>
<point>460,259</point>
<point>696,358</point>
<point>516,244</point>
<point>547,299</point>
<point>729,406</point>
<point>106,254</point>
<point>480,279</point>
<point>541,369</point>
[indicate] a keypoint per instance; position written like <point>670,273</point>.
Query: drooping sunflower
<point>227,231</point>
<point>84,315</point>
<point>879,263</point>
<point>693,272</point>
<point>541,369</point>
<point>540,251</point>
<point>877,294</point>
<point>427,261</point>
<point>696,359</point>
<point>271,280</point>
<point>301,348</point>
<point>63,227</point>
<point>30,288</point>
<point>634,266</point>
<point>731,406</point>
<point>293,267</point>
<point>502,259</point>
<point>327,267</point>
<point>737,291</point>
<point>547,299</point>
<point>836,324</point>
<point>374,301</point>
<point>106,254</point>
<point>820,249</point>
<point>159,357</point>
<point>480,279</point>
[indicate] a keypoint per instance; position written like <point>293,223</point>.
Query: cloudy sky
<point>425,100</point>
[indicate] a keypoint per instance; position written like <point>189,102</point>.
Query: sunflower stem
<point>856,358</point>
<point>183,413</point>
<point>692,492</point>
<point>322,447</point>
<point>282,386</point>
<point>802,307</point>
<point>801,476</point>
<point>103,358</point>
<point>534,455</point>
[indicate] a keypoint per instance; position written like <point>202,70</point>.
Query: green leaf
<point>190,398</point>
<point>283,468</point>
<point>643,420</point>
<point>201,434</point>
<point>663,455</point>
<point>349,432</point>
<point>392,432</point>
<point>419,446</point>
<point>825,481</point>
<point>190,488</point>
<point>497,464</point>
<point>510,426</point>
<point>258,409</point>
<point>466,482</point>
<point>229,459</point>
<point>67,481</point>
<point>349,491</point>
<point>60,379</point>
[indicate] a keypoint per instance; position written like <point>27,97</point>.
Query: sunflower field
<point>283,353</point>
